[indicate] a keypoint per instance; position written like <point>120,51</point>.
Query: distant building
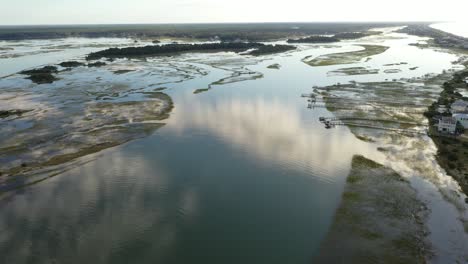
<point>447,124</point>
<point>462,118</point>
<point>459,106</point>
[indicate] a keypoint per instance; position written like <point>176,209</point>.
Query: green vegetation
<point>449,93</point>
<point>118,72</point>
<point>224,32</point>
<point>71,64</point>
<point>275,66</point>
<point>314,39</point>
<point>438,37</point>
<point>356,35</point>
<point>41,75</point>
<point>271,49</point>
<point>353,71</point>
<point>14,112</point>
<point>197,91</point>
<point>147,51</point>
<point>452,152</point>
<point>97,64</point>
<point>365,138</point>
<point>380,219</point>
<point>392,71</point>
<point>108,126</point>
<point>335,38</point>
<point>346,57</point>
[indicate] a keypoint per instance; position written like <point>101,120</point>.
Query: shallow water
<point>241,173</point>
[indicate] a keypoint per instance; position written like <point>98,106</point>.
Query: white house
<point>462,118</point>
<point>459,106</point>
<point>447,124</point>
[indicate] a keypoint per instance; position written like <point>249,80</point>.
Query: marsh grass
<point>346,57</point>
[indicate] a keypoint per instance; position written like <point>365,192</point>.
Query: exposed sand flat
<point>346,57</point>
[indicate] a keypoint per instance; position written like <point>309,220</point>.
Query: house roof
<point>448,120</point>
<point>460,103</point>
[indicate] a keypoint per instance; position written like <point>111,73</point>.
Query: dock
<point>368,106</point>
<point>334,121</point>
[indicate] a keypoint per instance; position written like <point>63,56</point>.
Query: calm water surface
<point>243,173</point>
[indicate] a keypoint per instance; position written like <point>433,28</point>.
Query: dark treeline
<point>178,48</point>
<point>314,39</point>
<point>440,38</point>
<point>335,38</point>
<point>355,35</point>
<point>225,32</point>
<point>71,64</point>
<point>449,94</point>
<point>270,49</point>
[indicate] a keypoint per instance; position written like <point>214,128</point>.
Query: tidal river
<point>241,173</point>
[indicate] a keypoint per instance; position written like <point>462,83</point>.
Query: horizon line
<point>221,23</point>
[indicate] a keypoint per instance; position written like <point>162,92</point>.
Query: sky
<point>32,12</point>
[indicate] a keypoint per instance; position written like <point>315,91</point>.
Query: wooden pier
<point>369,105</point>
<point>334,121</point>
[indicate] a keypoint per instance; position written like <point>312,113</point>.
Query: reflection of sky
<point>83,215</point>
<point>271,130</point>
<point>233,170</point>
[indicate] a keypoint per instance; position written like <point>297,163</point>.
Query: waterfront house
<point>459,106</point>
<point>462,118</point>
<point>447,124</point>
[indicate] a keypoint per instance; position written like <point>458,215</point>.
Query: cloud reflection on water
<point>273,130</point>
<point>96,207</point>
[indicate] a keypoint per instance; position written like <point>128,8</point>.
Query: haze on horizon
<point>32,12</point>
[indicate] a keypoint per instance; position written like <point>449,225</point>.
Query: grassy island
<point>42,75</point>
<point>315,39</point>
<point>335,38</point>
<point>380,219</point>
<point>356,35</point>
<point>346,57</point>
<point>71,64</point>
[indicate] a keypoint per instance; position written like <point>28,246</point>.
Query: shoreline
<point>114,129</point>
<point>411,157</point>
